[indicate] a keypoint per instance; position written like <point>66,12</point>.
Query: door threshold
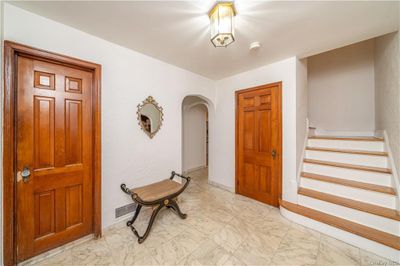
<point>57,250</point>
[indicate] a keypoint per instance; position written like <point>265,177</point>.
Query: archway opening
<point>195,138</point>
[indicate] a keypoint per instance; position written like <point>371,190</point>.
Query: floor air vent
<point>125,210</point>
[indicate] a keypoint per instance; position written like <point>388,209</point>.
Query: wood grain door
<point>258,143</point>
<point>54,143</point>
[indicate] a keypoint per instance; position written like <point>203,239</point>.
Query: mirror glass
<point>150,116</point>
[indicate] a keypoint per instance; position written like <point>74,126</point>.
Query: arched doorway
<point>196,136</point>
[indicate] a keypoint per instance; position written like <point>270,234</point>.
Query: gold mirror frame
<point>149,100</point>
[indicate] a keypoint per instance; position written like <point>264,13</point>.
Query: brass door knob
<point>273,153</point>
<point>25,174</point>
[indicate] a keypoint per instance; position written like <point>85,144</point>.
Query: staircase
<point>346,183</point>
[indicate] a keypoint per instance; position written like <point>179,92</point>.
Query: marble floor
<point>221,229</point>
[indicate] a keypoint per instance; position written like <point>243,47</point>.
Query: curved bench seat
<point>159,190</point>
<point>162,194</point>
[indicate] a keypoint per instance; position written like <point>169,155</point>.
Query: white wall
<point>341,88</point>
<point>224,168</point>
<point>387,90</point>
<point>194,135</point>
<point>128,77</point>
<point>301,109</point>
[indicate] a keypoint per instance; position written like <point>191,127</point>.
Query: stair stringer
<point>302,156</point>
<point>392,165</point>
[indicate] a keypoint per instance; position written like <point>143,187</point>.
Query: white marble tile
<point>251,255</point>
<point>135,255</point>
<point>118,239</point>
<point>190,238</point>
<point>57,252</point>
<point>229,237</point>
<point>220,214</point>
<point>368,259</point>
<point>190,261</point>
<point>204,224</point>
<point>266,240</point>
<point>249,209</point>
<point>146,261</point>
<point>210,253</point>
<point>241,225</point>
<point>308,231</point>
<point>222,228</point>
<point>95,252</point>
<point>297,248</point>
<point>231,261</point>
<point>335,252</point>
<point>63,258</point>
<point>171,253</point>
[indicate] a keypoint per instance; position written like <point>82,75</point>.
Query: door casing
<point>279,148</point>
<point>11,51</point>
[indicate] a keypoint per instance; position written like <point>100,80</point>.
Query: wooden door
<point>258,143</point>
<point>54,143</point>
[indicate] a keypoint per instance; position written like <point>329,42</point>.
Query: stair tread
<point>350,183</point>
<point>350,166</point>
<point>361,152</point>
<point>350,203</point>
<point>347,138</point>
<point>384,238</point>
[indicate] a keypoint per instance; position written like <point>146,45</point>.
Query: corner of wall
<point>301,107</point>
<point>387,91</point>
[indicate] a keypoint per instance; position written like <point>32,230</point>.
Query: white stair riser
<point>374,221</point>
<point>344,133</point>
<point>366,160</point>
<point>377,198</point>
<point>347,144</point>
<point>350,174</point>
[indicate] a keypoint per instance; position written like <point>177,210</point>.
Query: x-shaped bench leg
<point>174,206</point>
<point>152,218</point>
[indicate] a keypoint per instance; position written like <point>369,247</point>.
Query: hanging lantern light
<point>222,24</point>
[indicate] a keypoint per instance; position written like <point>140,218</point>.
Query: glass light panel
<point>221,24</point>
<point>214,21</point>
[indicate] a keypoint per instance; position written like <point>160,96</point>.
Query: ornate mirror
<point>150,116</point>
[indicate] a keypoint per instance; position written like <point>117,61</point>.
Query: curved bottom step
<point>375,241</point>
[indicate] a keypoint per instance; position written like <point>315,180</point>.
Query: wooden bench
<point>159,195</point>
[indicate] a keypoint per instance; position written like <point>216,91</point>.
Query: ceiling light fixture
<point>221,23</point>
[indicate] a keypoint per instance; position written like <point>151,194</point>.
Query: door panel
<point>265,179</point>
<point>258,129</point>
<point>73,205</point>
<point>248,131</point>
<point>264,131</point>
<point>43,131</point>
<point>73,132</point>
<point>44,212</point>
<point>54,141</point>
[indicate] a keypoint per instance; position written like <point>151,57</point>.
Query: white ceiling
<point>177,31</point>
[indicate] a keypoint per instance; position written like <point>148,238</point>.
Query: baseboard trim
<point>218,185</point>
<point>194,169</point>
